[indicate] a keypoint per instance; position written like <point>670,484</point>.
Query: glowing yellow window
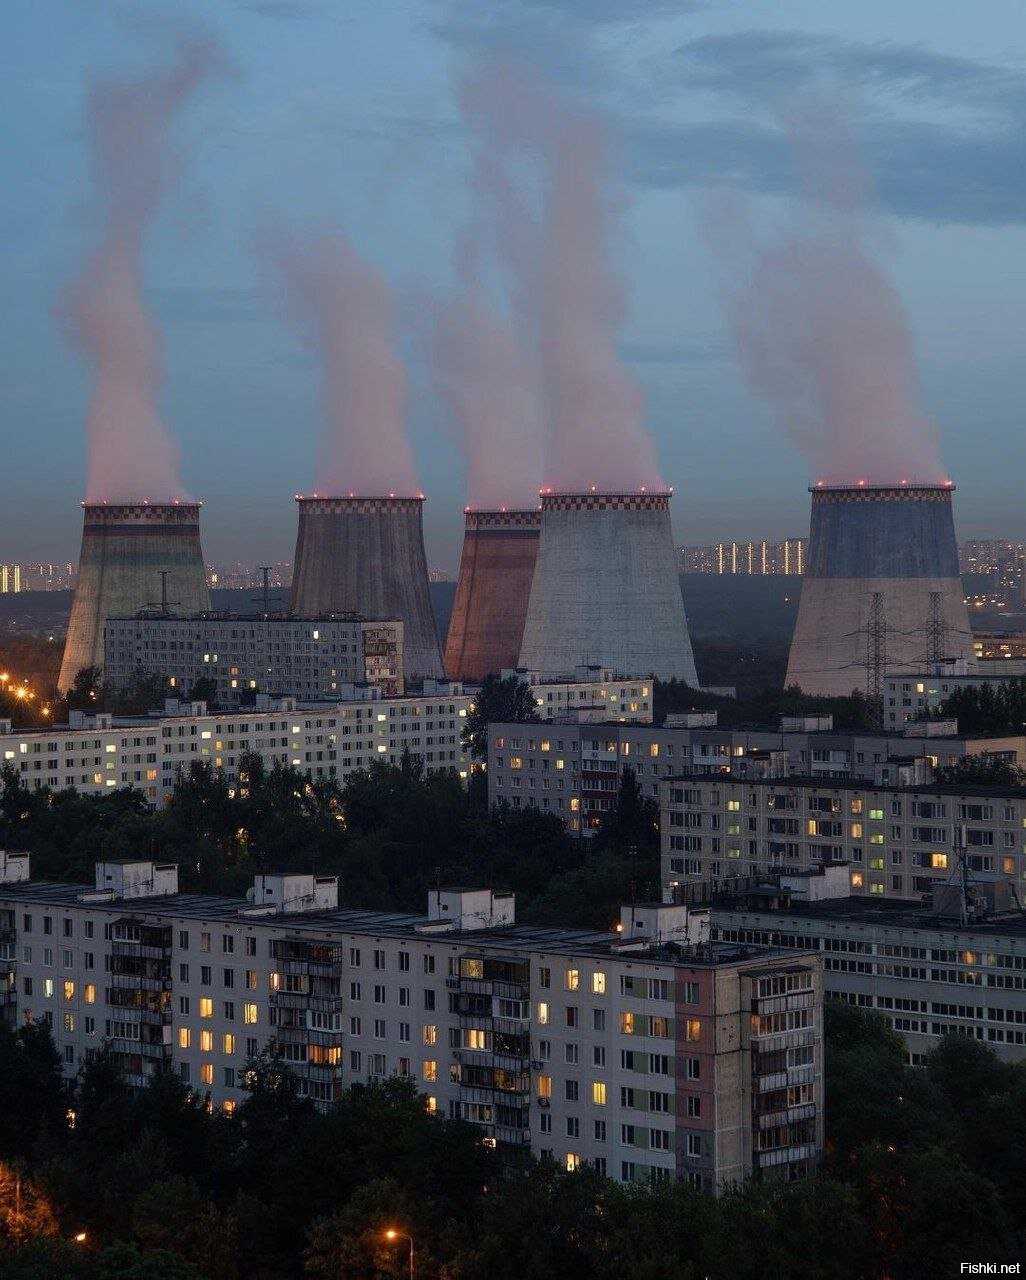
<point>1008,866</point>
<point>207,1041</point>
<point>573,979</point>
<point>207,1073</point>
<point>430,1069</point>
<point>653,749</point>
<point>228,1107</point>
<point>598,983</point>
<point>598,1093</point>
<point>575,804</point>
<point>627,1023</point>
<point>69,991</point>
<point>249,1014</point>
<point>184,1037</point>
<point>856,806</point>
<point>477,1038</point>
<point>573,1162</point>
<point>515,762</point>
<point>432,1105</point>
<point>48,988</point>
<point>876,838</point>
<point>229,1043</point>
<point>856,830</point>
<point>544,1086</point>
<point>90,993</point>
<point>560,764</point>
<point>733,806</point>
<point>856,879</point>
<point>543,1014</point>
<point>939,861</point>
<point>430,1035</point>
<point>693,1029</point>
<point>206,1007</point>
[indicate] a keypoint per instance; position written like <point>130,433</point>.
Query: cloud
<point>944,136</point>
<point>210,304</point>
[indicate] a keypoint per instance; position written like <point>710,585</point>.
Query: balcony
<point>501,990</point>
<point>290,1000</point>
<point>768,1081</point>
<point>512,1137</point>
<point>785,1155</point>
<point>139,982</point>
<point>291,1035</point>
<point>319,1070</point>
<point>790,1115</point>
<point>774,1041</point>
<point>139,950</point>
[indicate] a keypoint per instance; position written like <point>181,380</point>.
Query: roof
<point>522,937</point>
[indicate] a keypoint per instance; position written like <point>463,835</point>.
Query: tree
<point>25,1210</point>
<point>32,1083</point>
<point>125,1261</point>
<point>498,701</point>
<point>632,825</point>
<point>982,771</point>
<point>204,690</point>
<point>86,690</point>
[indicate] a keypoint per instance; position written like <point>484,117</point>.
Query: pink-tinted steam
<point>488,384</point>
<point>345,312</point>
<point>131,453</point>
<point>568,295</point>
<point>822,334</point>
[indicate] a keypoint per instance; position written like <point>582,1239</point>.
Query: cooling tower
<point>366,556</point>
<point>125,550</point>
<point>605,590</point>
<point>881,588</point>
<point>487,623</point>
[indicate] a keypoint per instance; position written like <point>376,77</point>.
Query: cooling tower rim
<point>476,518</point>
<point>594,500</point>
<point>904,488</point>
<point>143,504</point>
<point>353,501</point>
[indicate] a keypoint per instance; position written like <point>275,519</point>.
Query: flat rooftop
<point>214,909</point>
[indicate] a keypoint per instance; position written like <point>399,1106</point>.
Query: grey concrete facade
<point>605,590</point>
<point>366,556</point>
<point>125,549</point>
<point>897,542</point>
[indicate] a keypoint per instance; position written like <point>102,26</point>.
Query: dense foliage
<point>390,834</point>
<point>925,1166</point>
<point>988,708</point>
<point>762,707</point>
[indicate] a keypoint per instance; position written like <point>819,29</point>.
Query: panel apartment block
<point>898,842</point>
<point>574,769</point>
<point>636,1051</point>
<point>283,657</point>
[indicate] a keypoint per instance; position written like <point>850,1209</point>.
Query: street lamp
<point>392,1234</point>
<point>79,1237</point>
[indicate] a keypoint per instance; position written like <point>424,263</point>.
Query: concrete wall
<point>124,550</point>
<point>366,556</point>
<point>496,570</point>
<point>606,590</point>
<point>899,542</point>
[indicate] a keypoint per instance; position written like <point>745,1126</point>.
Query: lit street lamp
<point>392,1234</point>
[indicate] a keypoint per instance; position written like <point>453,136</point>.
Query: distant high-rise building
<point>755,558</point>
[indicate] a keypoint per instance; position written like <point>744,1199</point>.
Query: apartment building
<point>597,690</point>
<point>898,842</point>
<point>931,972</point>
<point>648,1051</point>
<point>915,695</point>
<point>281,656</point>
<point>574,768</point>
<point>99,753</point>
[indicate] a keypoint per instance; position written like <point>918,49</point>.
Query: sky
<point>344,117</point>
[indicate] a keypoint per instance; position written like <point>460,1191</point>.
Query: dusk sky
<point>343,115</point>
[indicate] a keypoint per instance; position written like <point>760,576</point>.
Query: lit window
<point>627,1023</point>
<point>432,1105</point>
<point>856,879</point>
<point>733,806</point>
<point>430,1069</point>
<point>206,1007</point>
<point>544,1086</point>
<point>515,762</point>
<point>430,1035</point>
<point>476,1038</point>
<point>575,804</point>
<point>48,988</point>
<point>573,979</point>
<point>229,1043</point>
<point>90,993</point>
<point>693,1029</point>
<point>207,1073</point>
<point>939,861</point>
<point>69,991</point>
<point>856,830</point>
<point>598,1093</point>
<point>598,983</point>
<point>207,1041</point>
<point>876,815</point>
<point>184,1037</point>
<point>228,1107</point>
<point>249,1013</point>
<point>573,1162</point>
<point>543,1014</point>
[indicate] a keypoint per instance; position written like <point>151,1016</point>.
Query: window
<point>430,1069</point>
<point>207,1073</point>
<point>543,1014</point>
<point>229,1044</point>
<point>598,983</point>
<point>227,944</point>
<point>572,1091</point>
<point>206,1007</point>
<point>90,993</point>
<point>184,1037</point>
<point>544,1086</point>
<point>598,1093</point>
<point>249,1014</point>
<point>692,1029</point>
<point>627,1023</point>
<point>206,1041</point>
<point>598,1019</point>
<point>69,991</point>
<point>544,977</point>
<point>430,1035</point>
<point>429,964</point>
<point>573,979</point>
<point>204,941</point>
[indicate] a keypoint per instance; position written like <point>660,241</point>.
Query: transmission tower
<point>876,656</point>
<point>936,631</point>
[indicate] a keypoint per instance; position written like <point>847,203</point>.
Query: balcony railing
<point>790,1115</point>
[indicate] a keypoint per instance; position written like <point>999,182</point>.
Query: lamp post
<point>392,1234</point>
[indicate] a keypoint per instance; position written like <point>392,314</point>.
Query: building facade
<point>574,768</point>
<point>280,656</point>
<point>638,1051</point>
<point>928,971</point>
<point>918,694</point>
<point>898,842</point>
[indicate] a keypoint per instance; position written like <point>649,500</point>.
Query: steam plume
<point>345,311</point>
<point>821,332</point>
<point>487,381</point>
<point>131,454</point>
<point>567,293</point>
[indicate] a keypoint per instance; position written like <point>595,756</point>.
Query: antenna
<point>165,603</point>
<point>265,594</point>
